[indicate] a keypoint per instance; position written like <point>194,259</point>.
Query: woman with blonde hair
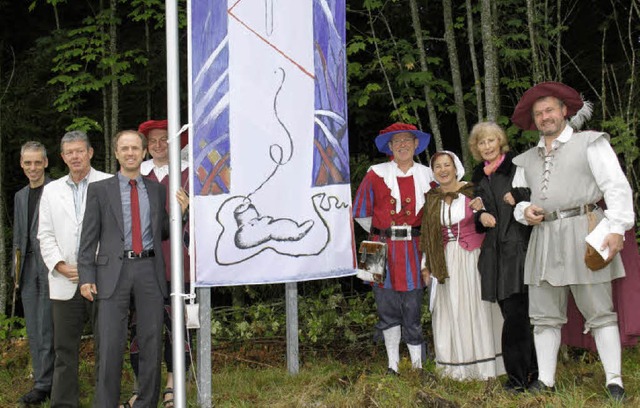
<point>501,262</point>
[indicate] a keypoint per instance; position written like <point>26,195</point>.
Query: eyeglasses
<point>399,142</point>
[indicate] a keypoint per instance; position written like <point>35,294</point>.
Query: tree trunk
<point>147,47</point>
<point>106,129</point>
<point>559,41</point>
<point>4,275</point>
<point>113,50</point>
<point>384,19</point>
<point>431,109</point>
<point>477,81</point>
<point>384,71</point>
<point>458,93</point>
<point>106,132</point>
<point>56,16</point>
<point>603,72</point>
<point>536,69</point>
<point>491,76</point>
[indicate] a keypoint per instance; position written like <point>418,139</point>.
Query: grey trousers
<point>34,291</point>
<point>137,278</point>
<point>548,305</point>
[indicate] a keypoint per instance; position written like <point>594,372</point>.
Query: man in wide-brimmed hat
<point>568,172</point>
<point>388,205</point>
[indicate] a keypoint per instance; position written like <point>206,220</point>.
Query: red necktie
<point>136,234</point>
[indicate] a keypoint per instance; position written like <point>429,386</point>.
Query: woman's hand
<point>487,220</point>
<point>508,198</point>
<point>183,200</point>
<point>426,275</point>
<point>476,204</point>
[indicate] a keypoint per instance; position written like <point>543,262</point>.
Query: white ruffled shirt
<point>160,171</point>
<point>422,176</point>
<point>389,173</point>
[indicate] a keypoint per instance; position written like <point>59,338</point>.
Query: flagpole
<point>177,284</point>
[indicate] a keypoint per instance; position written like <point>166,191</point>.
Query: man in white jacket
<point>61,213</point>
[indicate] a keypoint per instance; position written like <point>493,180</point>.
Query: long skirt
<point>467,330</point>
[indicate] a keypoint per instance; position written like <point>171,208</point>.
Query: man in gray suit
<point>126,221</point>
<point>30,271</point>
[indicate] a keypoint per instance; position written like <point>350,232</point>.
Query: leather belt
<point>147,253</point>
<point>397,232</point>
<point>569,212</point>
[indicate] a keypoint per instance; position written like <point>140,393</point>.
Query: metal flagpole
<point>177,284</point>
<point>291,295</point>
<point>204,348</point>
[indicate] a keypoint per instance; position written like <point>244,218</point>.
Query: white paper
<point>596,237</point>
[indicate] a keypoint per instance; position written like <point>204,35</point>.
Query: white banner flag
<point>270,185</point>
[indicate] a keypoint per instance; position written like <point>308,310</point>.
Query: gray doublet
<point>562,180</point>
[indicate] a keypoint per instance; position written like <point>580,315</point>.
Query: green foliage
<point>84,65</point>
<point>12,327</point>
<point>85,124</point>
<point>326,319</point>
<point>153,11</point>
<point>623,138</point>
<point>383,69</point>
<point>53,3</point>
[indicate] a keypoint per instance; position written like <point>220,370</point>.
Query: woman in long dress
<point>466,329</point>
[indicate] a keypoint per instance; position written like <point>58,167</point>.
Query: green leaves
<point>83,64</point>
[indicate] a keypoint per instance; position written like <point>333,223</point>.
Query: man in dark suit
<point>126,219</point>
<point>30,271</point>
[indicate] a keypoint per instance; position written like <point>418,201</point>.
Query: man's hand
<point>68,271</point>
<point>533,214</point>
<point>87,290</point>
<point>476,204</point>
<point>425,275</point>
<point>614,242</point>
<point>487,220</point>
<point>508,198</point>
<point>183,200</point>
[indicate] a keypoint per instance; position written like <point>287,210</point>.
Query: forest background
<point>99,65</point>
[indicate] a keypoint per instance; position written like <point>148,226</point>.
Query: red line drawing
<point>279,51</point>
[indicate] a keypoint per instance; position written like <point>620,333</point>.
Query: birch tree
<point>535,59</point>
<point>431,109</point>
<point>477,80</point>
<point>458,94</point>
<point>491,76</point>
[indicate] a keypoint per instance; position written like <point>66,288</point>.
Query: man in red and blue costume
<point>388,205</point>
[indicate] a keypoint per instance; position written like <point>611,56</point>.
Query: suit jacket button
<point>120,257</point>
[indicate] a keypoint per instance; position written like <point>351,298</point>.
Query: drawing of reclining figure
<point>254,229</point>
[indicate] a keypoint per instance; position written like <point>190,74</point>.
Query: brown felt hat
<point>522,113</point>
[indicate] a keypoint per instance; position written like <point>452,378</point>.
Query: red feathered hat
<point>522,117</point>
<point>146,127</point>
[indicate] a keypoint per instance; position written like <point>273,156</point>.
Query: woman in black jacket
<point>501,262</point>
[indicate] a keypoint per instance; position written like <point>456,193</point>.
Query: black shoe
<point>538,387</point>
<point>35,396</point>
<point>512,388</point>
<point>615,392</point>
<point>391,371</point>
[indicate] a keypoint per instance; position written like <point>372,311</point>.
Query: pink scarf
<point>490,168</point>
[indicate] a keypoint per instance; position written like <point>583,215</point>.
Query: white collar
<point>422,176</point>
<point>147,166</point>
<point>564,136</point>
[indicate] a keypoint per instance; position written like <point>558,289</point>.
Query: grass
<point>254,375</point>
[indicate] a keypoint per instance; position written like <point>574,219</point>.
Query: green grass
<point>254,375</point>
